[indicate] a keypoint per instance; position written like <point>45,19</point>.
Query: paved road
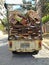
<point>7,58</point>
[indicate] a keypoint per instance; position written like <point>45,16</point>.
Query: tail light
<point>10,44</point>
<point>40,43</point>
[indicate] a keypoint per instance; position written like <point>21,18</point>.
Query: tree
<point>2,11</point>
<point>45,7</point>
<point>45,13</point>
<point>31,5</point>
<point>45,19</point>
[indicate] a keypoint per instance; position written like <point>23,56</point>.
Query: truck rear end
<point>24,29</point>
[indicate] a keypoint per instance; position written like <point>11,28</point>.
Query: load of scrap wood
<point>17,20</point>
<point>31,17</point>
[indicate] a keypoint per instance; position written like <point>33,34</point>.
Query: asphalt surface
<point>7,58</point>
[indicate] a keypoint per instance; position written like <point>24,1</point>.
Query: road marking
<point>3,44</point>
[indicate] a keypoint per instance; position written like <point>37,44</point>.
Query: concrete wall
<point>47,26</point>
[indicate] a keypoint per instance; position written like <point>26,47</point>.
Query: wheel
<point>13,52</point>
<point>35,52</point>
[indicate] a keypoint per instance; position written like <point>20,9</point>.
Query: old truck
<point>24,26</point>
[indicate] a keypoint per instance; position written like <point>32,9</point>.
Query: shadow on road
<point>22,55</point>
<point>28,59</point>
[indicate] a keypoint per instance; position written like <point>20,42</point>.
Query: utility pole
<point>39,8</point>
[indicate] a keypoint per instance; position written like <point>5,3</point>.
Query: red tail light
<point>10,44</point>
<point>40,43</point>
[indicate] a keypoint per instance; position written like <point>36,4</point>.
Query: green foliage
<point>4,22</point>
<point>1,27</point>
<point>45,9</point>
<point>45,19</point>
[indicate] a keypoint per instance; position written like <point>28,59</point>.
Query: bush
<point>45,19</point>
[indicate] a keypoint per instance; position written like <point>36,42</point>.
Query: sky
<point>17,1</point>
<point>14,1</point>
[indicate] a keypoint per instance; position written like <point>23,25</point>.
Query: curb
<point>3,37</point>
<point>3,44</point>
<point>46,33</point>
<point>45,45</point>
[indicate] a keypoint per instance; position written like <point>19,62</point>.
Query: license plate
<point>26,45</point>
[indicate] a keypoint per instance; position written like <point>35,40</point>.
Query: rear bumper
<point>24,50</point>
<point>34,45</point>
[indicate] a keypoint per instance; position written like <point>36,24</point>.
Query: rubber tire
<point>35,52</point>
<point>13,52</point>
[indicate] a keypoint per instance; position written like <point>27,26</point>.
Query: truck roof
<point>13,2</point>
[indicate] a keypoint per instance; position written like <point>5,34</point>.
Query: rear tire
<point>35,52</point>
<point>13,52</point>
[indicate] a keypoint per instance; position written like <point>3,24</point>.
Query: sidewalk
<point>46,40</point>
<point>2,36</point>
